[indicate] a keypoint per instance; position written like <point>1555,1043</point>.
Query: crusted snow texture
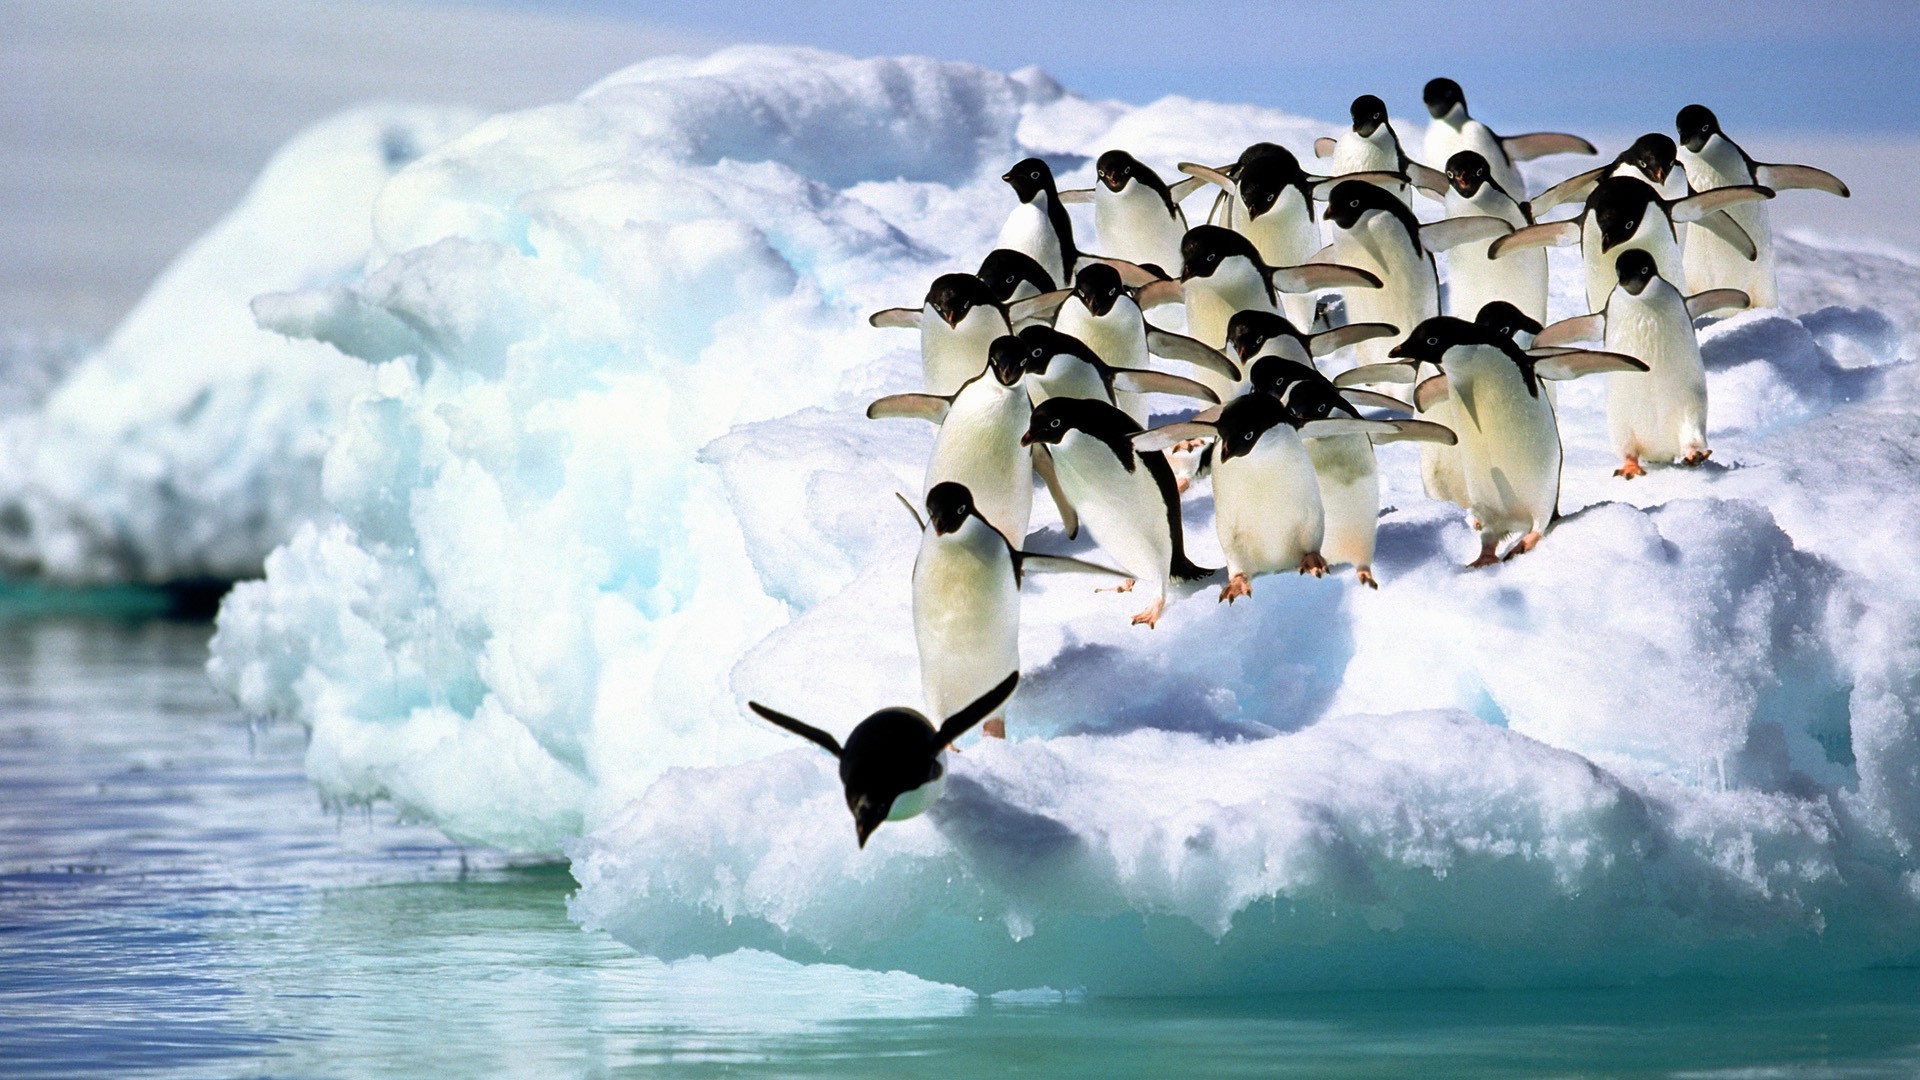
<point>612,481</point>
<point>189,444</point>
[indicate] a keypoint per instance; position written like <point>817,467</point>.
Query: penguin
<point>1453,131</point>
<point>1344,464</point>
<point>959,320</point>
<point>1127,497</point>
<point>1102,312</point>
<point>1370,146</point>
<point>1626,212</point>
<point>1379,234</point>
<point>1509,440</point>
<point>890,767</point>
<point>1135,213</point>
<point>1714,161</point>
<point>1268,198</point>
<point>1061,365</point>
<point>1509,322</point>
<point>979,441</point>
<point>966,600</point>
<point>1253,334</point>
<point>1475,280</point>
<point>1221,274</point>
<point>1039,226</point>
<point>1652,157</point>
<point>1013,276</point>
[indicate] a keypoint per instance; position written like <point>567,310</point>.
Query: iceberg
<point>609,478</point>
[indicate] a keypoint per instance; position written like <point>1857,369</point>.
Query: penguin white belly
<point>950,355</point>
<point>1029,230</point>
<point>979,447</point>
<point>911,804</point>
<point>1509,443</point>
<point>1474,280</point>
<point>1213,301</point>
<point>1133,224</point>
<point>1119,337</point>
<point>1124,510</point>
<point>966,616</point>
<point>1655,236</point>
<point>1410,291</point>
<point>1286,235</point>
<point>1375,153</point>
<point>1069,378</point>
<point>1441,142</point>
<point>1349,497</point>
<point>1711,262</point>
<point>1660,413</point>
<point>1442,475</point>
<point>1267,505</point>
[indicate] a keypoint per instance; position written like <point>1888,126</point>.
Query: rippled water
<point>174,901</point>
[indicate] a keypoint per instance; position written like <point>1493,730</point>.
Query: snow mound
<point>611,480</point>
<point>190,443</point>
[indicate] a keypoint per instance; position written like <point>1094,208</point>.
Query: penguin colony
<point>1317,328</point>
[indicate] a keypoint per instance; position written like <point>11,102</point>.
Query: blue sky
<point>1763,64</point>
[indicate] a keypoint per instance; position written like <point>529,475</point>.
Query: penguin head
<point>1467,171</point>
<point>1369,113</point>
<point>1442,97</point>
<point>1430,340</point>
<point>1351,199</point>
<point>1653,154</point>
<point>1056,416</point>
<point>1274,374</point>
<point>1635,269</point>
<point>1504,319</point>
<point>1007,359</point>
<point>1041,343</point>
<point>1263,179</point>
<point>1115,167</point>
<point>1696,124</point>
<point>1245,419</point>
<point>1248,331</point>
<point>889,754</point>
<point>1618,205</point>
<point>1264,149</point>
<point>1308,396</point>
<point>954,296</point>
<point>1029,178</point>
<point>1003,271</point>
<point>948,506</point>
<point>1205,247</point>
<point>1098,286</point>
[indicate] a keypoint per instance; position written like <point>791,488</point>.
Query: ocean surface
<point>175,902</point>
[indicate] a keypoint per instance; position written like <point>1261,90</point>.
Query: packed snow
<point>611,479</point>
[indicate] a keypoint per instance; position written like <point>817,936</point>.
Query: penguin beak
<point>1007,176</point>
<point>1398,351</point>
<point>1114,181</point>
<point>866,818</point>
<point>1026,438</point>
<point>951,316</point>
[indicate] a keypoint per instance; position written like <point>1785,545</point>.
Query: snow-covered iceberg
<point>189,444</point>
<point>612,480</point>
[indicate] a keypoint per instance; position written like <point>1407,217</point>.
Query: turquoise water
<point>175,902</point>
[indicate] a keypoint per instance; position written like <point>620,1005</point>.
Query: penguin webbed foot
<point>1235,588</point>
<point>1489,554</point>
<point>1527,543</point>
<point>1125,586</point>
<point>1365,576</point>
<point>1151,617</point>
<point>1631,468</point>
<point>1697,458</point>
<point>1312,563</point>
<point>994,728</point>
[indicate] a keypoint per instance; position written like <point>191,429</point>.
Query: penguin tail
<point>1184,569</point>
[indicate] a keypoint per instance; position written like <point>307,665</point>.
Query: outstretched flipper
<point>1042,306</point>
<point>1328,341</point>
<point>1573,189</point>
<point>1418,431</point>
<point>1578,328</point>
<point>800,728</point>
<point>1454,231</point>
<point>1542,143</point>
<point>907,318</point>
<point>1731,231</point>
<point>1431,181</point>
<point>1043,464</point>
<point>1324,145</point>
<point>1076,195</point>
<point>1578,362</point>
<point>1370,400</point>
<point>1033,562</point>
<point>982,707</point>
<point>1432,392</point>
<point>1799,177</point>
<point>1158,294</point>
<point>1695,207</point>
<point>1310,277</point>
<point>1386,430</point>
<point>1198,353</point>
<point>1170,435</point>
<point>1712,300</point>
<point>1546,234</point>
<point>1148,381</point>
<point>1132,274</point>
<point>1206,174</point>
<point>912,509</point>
<point>1323,187</point>
<point>1180,189</point>
<point>1376,373</point>
<point>929,407</point>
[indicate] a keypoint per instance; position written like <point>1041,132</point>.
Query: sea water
<point>175,901</point>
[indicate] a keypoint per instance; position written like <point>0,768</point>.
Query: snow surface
<point>189,445</point>
<point>613,480</point>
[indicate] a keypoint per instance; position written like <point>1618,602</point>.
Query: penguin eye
<point>1033,175</point>
<point>1321,408</point>
<point>1248,437</point>
<point>1634,224</point>
<point>1433,341</point>
<point>1211,259</point>
<point>1355,203</point>
<point>1056,423</point>
<point>1010,279</point>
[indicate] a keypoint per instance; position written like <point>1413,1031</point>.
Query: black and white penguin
<point>1061,365</point>
<point>1039,226</point>
<point>958,321</point>
<point>1475,279</point>
<point>1713,161</point>
<point>1102,312</point>
<point>890,766</point>
<point>1268,198</point>
<point>1014,276</point>
<point>1652,157</point>
<point>1127,497</point>
<point>1221,274</point>
<point>1453,131</point>
<point>1370,146</point>
<point>1136,214</point>
<point>1253,334</point>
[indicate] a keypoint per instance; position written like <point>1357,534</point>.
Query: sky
<point>128,127</point>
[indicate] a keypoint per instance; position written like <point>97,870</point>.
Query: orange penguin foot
<point>1312,563</point>
<point>1698,457</point>
<point>1527,543</point>
<point>1488,556</point>
<point>1237,587</point>
<point>1151,617</point>
<point>1125,586</point>
<point>1365,574</point>
<point>1631,468</point>
<point>996,728</point>
<point>1182,484</point>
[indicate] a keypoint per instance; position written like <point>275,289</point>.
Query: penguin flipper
<point>1310,277</point>
<point>1572,189</point>
<point>1323,187</point>
<point>1205,174</point>
<point>1542,143</point>
<point>1147,381</point>
<point>1697,207</point>
<point>1546,234</point>
<point>908,503</point>
<point>1731,231</point>
<point>1043,464</point>
<point>1578,328</point>
<point>901,317</point>
<point>1132,274</point>
<point>929,407</point>
<point>1376,373</point>
<point>1432,392</point>
<point>979,709</point>
<point>1432,181</point>
<point>800,728</point>
<point>1181,347</point>
<point>1179,190</point>
<point>1158,294</point>
<point>1328,341</point>
<point>1454,231</point>
<point>1033,562</point>
<point>1044,306</point>
<point>1577,362</point>
<point>1712,300</point>
<point>1795,177</point>
<point>1168,435</point>
<point>1323,146</point>
<point>1369,399</point>
<point>1076,195</point>
<point>1415,431</point>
